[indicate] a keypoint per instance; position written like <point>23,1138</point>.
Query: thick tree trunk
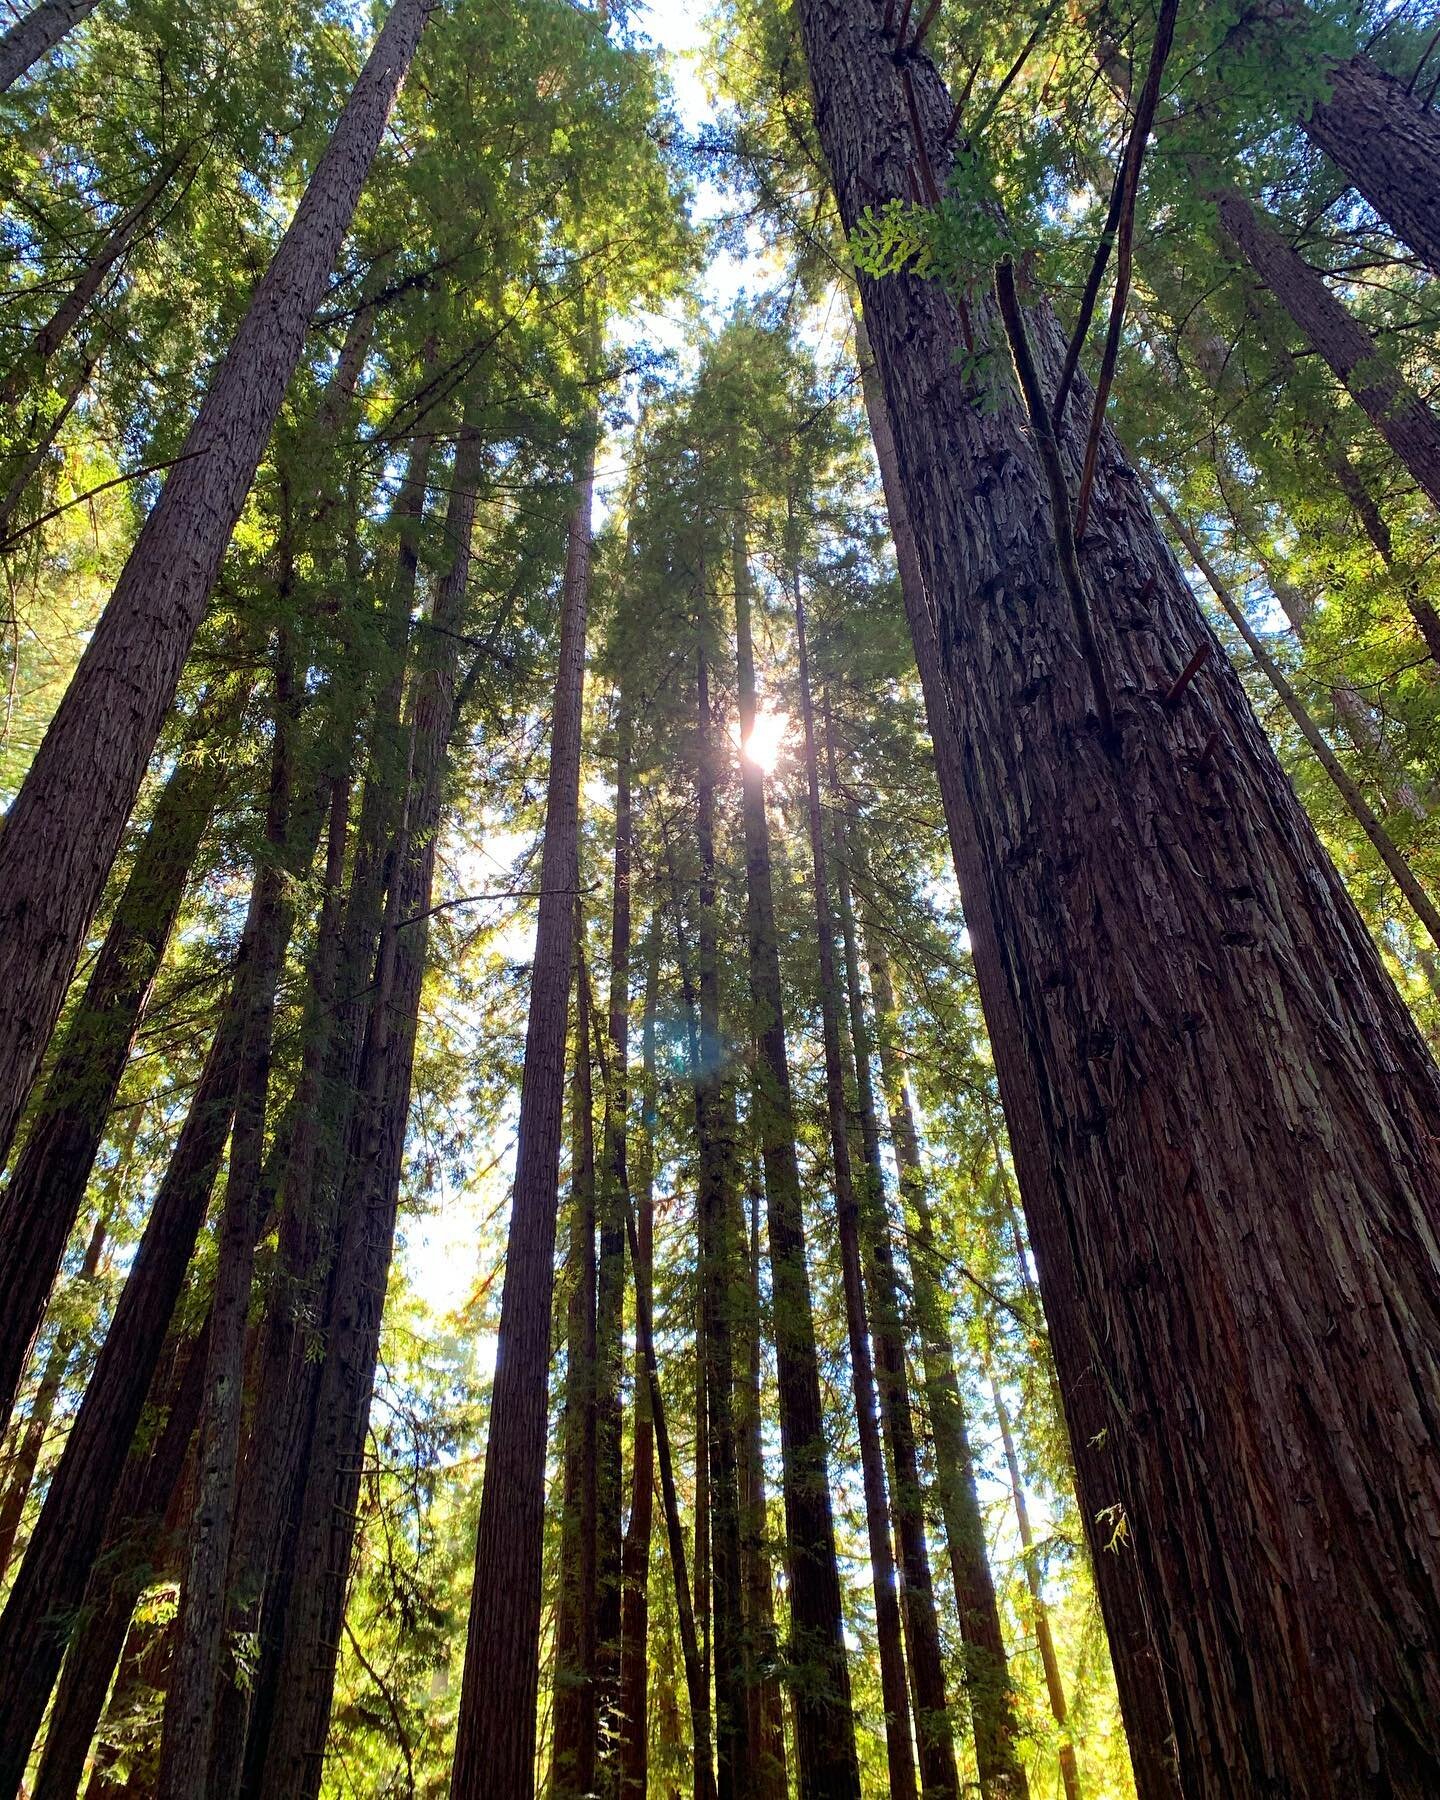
<point>824,1726</point>
<point>190,1704</point>
<point>1397,412</point>
<point>717,1202</point>
<point>52,334</point>
<point>288,1751</point>
<point>63,830</point>
<point>1044,1638</point>
<point>899,1751</point>
<point>1220,1061</point>
<point>36,34</point>
<point>575,1743</point>
<point>922,1625</point>
<point>765,1737</point>
<point>20,1469</point>
<point>1387,141</point>
<point>635,1560</point>
<point>1142,1700</point>
<point>495,1747</point>
<point>47,1185</point>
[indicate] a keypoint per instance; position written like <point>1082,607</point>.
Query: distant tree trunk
<point>144,1665</point>
<point>573,1759</point>
<point>33,361</point>
<point>36,33</point>
<point>987,1669</point>
<point>495,1746</point>
<point>1054,1681</point>
<point>635,1561</point>
<point>1142,1699</point>
<point>1397,412</point>
<point>1202,1007</point>
<point>717,1203</point>
<point>20,1469</point>
<point>288,1750</point>
<point>1387,141</point>
<point>47,1185</point>
<point>702,1504</point>
<point>922,1625</point>
<point>824,1726</point>
<point>609,1341</point>
<point>149,1506</point>
<point>704,1785</point>
<point>65,825</point>
<point>765,1737</point>
<point>899,1753</point>
<point>190,1703</point>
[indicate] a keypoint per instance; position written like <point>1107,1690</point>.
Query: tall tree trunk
<point>1142,1699</point>
<point>999,1769</point>
<point>1387,141</point>
<point>36,33</point>
<point>1402,418</point>
<point>20,1468</point>
<point>987,1669</point>
<point>31,365</point>
<point>635,1560</point>
<point>287,1751</point>
<point>495,1746</point>
<point>47,1185</point>
<point>575,1742</point>
<point>899,1753</point>
<point>65,825</point>
<point>717,1201</point>
<point>765,1737</point>
<point>1183,959</point>
<point>190,1704</point>
<point>610,1306</point>
<point>824,1725</point>
<point>1044,1638</point>
<point>704,1784</point>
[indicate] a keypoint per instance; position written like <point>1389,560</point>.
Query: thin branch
<point>1134,158</point>
<point>80,499</point>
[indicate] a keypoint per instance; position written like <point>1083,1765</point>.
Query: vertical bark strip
<point>824,1726</point>
<point>899,1752</point>
<point>1220,1062</point>
<point>495,1747</point>
<point>63,830</point>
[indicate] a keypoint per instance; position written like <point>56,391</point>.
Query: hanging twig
<point>1125,239</point>
<point>1049,451</point>
<point>14,538</point>
<point>1012,74</point>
